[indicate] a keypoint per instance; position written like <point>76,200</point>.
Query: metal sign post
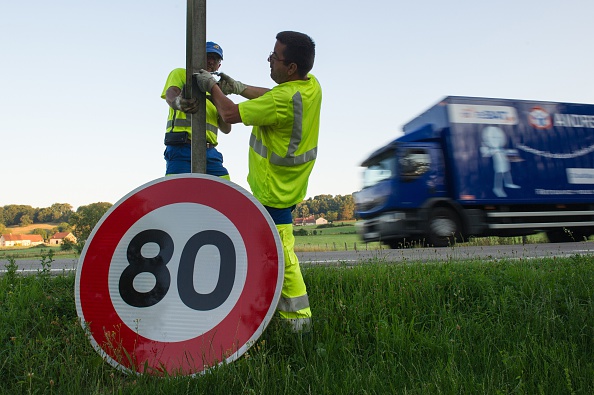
<point>196,60</point>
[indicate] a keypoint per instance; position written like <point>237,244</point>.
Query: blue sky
<point>82,120</point>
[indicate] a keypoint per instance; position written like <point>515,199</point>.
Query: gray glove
<point>189,106</point>
<point>204,80</point>
<point>228,85</point>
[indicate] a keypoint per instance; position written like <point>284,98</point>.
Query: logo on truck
<point>539,118</point>
<point>574,120</point>
<point>490,115</point>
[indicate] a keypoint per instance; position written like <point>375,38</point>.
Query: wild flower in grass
<point>30,377</point>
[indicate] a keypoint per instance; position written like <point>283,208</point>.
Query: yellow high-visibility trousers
<point>294,303</point>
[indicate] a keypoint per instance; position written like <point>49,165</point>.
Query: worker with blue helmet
<point>178,133</point>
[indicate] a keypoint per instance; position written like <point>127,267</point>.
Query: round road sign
<point>183,273</point>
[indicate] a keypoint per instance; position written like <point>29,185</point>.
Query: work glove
<point>228,85</point>
<point>204,80</point>
<point>189,106</point>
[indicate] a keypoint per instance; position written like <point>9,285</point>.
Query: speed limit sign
<point>182,274</point>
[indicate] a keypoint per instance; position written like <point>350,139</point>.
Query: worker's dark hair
<point>300,50</point>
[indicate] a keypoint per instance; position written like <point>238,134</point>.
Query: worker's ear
<point>292,69</point>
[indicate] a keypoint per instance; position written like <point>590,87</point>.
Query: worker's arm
<point>228,110</point>
<point>228,85</point>
<point>224,126</point>
<point>252,92</point>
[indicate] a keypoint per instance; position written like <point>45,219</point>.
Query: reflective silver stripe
<point>293,304</point>
<point>258,147</point>
<point>297,124</point>
<point>212,128</point>
<point>180,123</point>
<point>289,159</point>
<point>295,160</point>
<point>186,123</point>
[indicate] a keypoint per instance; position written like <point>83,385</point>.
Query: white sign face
<point>183,273</point>
<point>183,322</point>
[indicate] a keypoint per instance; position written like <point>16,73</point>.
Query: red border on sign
<point>139,353</point>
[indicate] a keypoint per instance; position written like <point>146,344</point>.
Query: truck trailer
<point>474,167</point>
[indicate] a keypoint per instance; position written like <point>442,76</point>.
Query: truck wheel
<point>443,227</point>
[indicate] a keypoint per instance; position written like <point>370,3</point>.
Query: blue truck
<point>472,166</point>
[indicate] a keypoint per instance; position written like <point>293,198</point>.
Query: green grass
<point>36,252</point>
<point>455,327</point>
<point>334,242</point>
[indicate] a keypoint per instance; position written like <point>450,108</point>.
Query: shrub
<point>300,232</point>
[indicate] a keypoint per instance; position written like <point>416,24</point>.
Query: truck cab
<point>397,180</point>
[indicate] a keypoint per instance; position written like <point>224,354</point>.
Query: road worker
<point>283,147</point>
<point>178,153</point>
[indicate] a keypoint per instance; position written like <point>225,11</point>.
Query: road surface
<point>527,251</point>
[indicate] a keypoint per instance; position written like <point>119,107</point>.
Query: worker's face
<point>279,67</point>
<point>213,62</point>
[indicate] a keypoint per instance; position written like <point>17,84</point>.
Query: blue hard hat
<point>214,48</point>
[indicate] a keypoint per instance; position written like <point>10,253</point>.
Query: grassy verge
<point>339,237</point>
<point>457,327</point>
<point>344,238</point>
<point>37,252</point>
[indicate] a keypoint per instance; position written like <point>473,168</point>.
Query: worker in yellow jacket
<point>178,135</point>
<point>283,147</point>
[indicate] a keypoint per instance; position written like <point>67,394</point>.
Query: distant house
<point>311,220</point>
<point>321,221</point>
<point>11,240</point>
<point>305,221</point>
<point>59,237</point>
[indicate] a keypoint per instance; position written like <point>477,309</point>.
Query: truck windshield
<point>414,162</point>
<point>379,171</point>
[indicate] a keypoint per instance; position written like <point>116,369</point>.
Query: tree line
<point>82,221</point>
<point>332,208</point>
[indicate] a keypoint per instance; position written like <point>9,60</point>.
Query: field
<point>24,230</point>
<point>467,327</point>
<point>340,237</point>
<point>36,252</point>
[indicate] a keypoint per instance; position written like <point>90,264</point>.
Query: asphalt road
<point>528,251</point>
